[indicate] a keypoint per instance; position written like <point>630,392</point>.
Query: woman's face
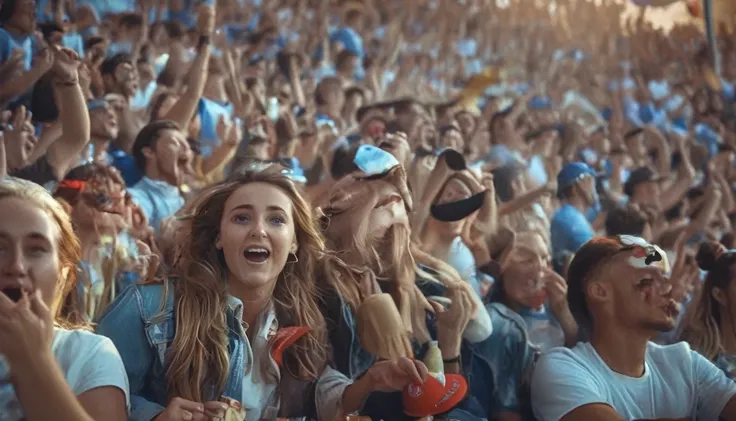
<point>29,249</point>
<point>453,191</point>
<point>453,139</point>
<point>523,278</point>
<point>389,211</point>
<point>101,207</point>
<point>257,233</point>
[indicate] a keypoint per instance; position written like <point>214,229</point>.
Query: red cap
<point>431,398</point>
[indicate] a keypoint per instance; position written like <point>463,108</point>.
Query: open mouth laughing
<point>256,255</point>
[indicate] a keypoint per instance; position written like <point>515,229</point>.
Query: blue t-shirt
<point>126,165</point>
<point>10,43</point>
<point>210,113</point>
<point>570,230</point>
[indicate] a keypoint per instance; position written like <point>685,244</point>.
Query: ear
<point>718,295</point>
<point>218,243</point>
<point>598,292</point>
<point>294,247</point>
<point>148,153</point>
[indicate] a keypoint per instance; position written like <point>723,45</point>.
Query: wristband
<point>71,82</point>
<point>451,360</point>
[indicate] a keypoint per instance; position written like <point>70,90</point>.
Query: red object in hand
<point>431,398</point>
<point>285,337</point>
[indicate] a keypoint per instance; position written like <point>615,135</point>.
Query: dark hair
<point>625,221</point>
<point>92,41</point>
<point>586,261</point>
<point>325,87</point>
<point>343,57</point>
<point>504,176</point>
<point>174,29</point>
<point>111,63</point>
<point>147,138</point>
<point>716,260</point>
<point>85,172</point>
<point>342,162</point>
<point>7,9</point>
<point>131,20</point>
<point>48,29</point>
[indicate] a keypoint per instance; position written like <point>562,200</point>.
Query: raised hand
<point>44,61</point>
<point>66,65</point>
<point>26,328</point>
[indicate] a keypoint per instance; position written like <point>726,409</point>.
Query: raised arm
<point>184,109</point>
<point>73,114</point>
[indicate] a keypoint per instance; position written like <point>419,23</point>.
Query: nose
<point>258,230</point>
<point>14,265</point>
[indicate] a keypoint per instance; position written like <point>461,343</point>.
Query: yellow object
<point>433,361</point>
<point>477,84</point>
<point>712,80</point>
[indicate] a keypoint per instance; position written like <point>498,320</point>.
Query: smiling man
<point>619,291</point>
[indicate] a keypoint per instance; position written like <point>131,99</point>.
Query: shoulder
<point>77,341</point>
<point>88,360</point>
<point>506,320</point>
<point>138,302</point>
<point>565,361</point>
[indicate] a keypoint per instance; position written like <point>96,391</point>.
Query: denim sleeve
<point>123,324</point>
<point>328,394</point>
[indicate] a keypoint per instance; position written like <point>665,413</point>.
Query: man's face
<point>104,123</point>
<point>638,296</point>
<point>172,155</point>
<point>648,193</point>
<point>24,17</point>
<point>126,79</point>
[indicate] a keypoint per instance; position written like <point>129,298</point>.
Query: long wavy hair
<point>198,358</point>
<point>68,247</point>
<point>703,324</point>
<point>347,227</point>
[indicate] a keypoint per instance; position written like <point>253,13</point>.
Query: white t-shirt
<point>87,360</point>
<point>677,383</point>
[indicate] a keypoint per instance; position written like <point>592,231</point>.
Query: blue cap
<point>572,173</point>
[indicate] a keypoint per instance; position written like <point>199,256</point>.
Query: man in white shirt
<point>619,291</point>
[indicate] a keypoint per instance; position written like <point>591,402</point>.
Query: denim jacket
<point>511,357</point>
<point>142,324</point>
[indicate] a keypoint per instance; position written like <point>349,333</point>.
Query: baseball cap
<point>572,173</point>
<point>639,176</point>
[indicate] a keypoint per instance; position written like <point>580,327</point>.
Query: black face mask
<point>459,210</point>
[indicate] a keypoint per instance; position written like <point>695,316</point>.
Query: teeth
<point>257,250</point>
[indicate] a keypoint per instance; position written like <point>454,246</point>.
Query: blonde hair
<point>68,246</point>
<point>198,363</point>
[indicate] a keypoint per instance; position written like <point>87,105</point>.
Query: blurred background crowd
<point>408,178</point>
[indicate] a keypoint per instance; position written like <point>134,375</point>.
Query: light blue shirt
<point>157,199</point>
<point>570,230</point>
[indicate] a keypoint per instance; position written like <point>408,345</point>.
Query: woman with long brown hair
<point>244,290</point>
<point>51,366</point>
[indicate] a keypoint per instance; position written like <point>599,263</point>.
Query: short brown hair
<point>588,259</point>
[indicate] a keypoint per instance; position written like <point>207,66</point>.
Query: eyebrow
<point>32,236</point>
<point>250,207</point>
